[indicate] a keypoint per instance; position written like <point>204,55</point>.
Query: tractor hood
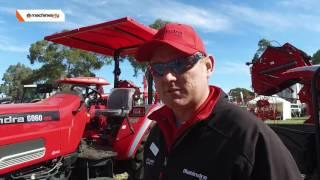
<point>124,34</point>
<point>59,101</point>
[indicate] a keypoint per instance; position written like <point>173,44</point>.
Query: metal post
<point>315,98</point>
<point>150,88</point>
<point>117,70</point>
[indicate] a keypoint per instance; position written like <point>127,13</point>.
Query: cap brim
<point>146,51</point>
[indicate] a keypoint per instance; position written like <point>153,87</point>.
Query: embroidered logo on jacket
<point>149,161</point>
<point>194,174</point>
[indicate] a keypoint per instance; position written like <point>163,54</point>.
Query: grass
<point>299,120</point>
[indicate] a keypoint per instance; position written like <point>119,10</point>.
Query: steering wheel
<point>88,93</point>
<point>92,94</point>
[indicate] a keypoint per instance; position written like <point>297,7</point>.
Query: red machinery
<point>265,110</point>
<point>273,71</point>
<point>277,69</point>
<point>81,129</point>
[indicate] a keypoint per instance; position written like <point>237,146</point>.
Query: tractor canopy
<point>115,38</point>
<point>84,81</point>
<point>124,35</point>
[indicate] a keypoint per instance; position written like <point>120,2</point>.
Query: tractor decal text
<point>29,117</point>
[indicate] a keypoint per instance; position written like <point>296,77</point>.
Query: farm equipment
<point>6,100</point>
<point>277,69</point>
<point>265,110</point>
<point>35,92</point>
<point>80,131</point>
<point>30,93</point>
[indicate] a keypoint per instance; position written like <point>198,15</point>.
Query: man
<point>199,135</point>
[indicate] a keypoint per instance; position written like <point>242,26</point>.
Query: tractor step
<point>95,162</point>
<point>95,152</point>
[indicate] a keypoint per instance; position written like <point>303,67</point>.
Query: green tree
<point>61,61</point>
<point>159,23</point>
<point>262,45</point>
<point>13,79</point>
<point>316,57</point>
<point>236,94</point>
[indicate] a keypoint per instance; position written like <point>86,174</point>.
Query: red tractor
<point>80,131</point>
<point>277,69</point>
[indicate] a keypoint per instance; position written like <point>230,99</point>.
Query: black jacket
<point>231,144</point>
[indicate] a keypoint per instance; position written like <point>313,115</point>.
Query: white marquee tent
<point>281,105</point>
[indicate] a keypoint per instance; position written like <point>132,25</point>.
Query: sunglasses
<point>177,66</point>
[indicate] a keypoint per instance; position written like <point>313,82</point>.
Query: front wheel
<point>136,165</point>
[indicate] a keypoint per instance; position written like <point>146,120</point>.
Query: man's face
<point>181,90</point>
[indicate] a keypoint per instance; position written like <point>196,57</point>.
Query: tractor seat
<point>119,103</point>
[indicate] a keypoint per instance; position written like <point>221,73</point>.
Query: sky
<point>230,29</point>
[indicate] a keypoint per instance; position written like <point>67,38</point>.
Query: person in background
<point>199,134</point>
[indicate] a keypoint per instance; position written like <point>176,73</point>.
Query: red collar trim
<point>166,120</point>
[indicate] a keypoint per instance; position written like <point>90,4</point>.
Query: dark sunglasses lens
<point>184,65</point>
<point>178,66</point>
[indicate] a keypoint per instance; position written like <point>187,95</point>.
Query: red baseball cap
<point>179,36</point>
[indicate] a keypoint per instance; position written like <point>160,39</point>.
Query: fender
<point>141,127</point>
<point>138,138</point>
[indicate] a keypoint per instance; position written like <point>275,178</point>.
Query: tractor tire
<point>136,165</point>
<point>63,175</point>
<point>136,169</point>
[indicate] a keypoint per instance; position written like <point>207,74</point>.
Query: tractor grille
<point>22,157</point>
